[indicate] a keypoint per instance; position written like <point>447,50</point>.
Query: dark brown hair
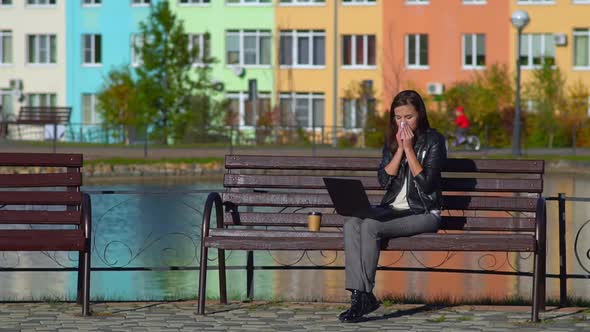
<point>406,97</point>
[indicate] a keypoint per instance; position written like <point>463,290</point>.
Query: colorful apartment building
<point>308,57</point>
<point>430,44</point>
<point>99,38</point>
<point>32,54</point>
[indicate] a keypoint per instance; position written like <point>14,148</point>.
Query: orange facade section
<point>445,23</point>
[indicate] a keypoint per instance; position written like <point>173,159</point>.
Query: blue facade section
<point>115,21</point>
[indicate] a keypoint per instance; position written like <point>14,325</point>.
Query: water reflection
<point>158,229</point>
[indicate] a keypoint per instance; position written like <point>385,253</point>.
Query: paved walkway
<point>180,316</point>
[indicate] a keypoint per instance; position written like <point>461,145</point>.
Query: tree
<point>488,100</point>
<point>177,99</point>
<point>546,90</point>
<point>119,102</point>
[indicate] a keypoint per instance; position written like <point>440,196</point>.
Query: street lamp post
<point>519,20</point>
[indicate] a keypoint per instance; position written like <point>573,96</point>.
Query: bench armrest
<point>541,225</point>
<point>214,199</point>
<point>87,218</point>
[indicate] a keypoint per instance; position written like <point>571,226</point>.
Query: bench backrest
<point>44,115</point>
<point>478,195</point>
<point>49,198</point>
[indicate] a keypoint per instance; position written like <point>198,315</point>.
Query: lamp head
<point>520,19</point>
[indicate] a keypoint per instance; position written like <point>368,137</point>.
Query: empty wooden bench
<point>53,200</point>
<point>489,205</point>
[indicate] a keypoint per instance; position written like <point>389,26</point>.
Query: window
<point>302,109</point>
<point>535,2</point>
<point>417,51</point>
<point>358,50</point>
<point>474,51</point>
<point>201,41</point>
<point>304,48</point>
<point>90,113</point>
<point>582,48</point>
<point>41,49</point>
<point>42,100</point>
<point>302,2</point>
<point>140,2</point>
<point>5,3</point>
<point>248,2</point>
<point>474,2</point>
<point>5,47</point>
<point>41,2</point>
<point>536,49</point>
<point>241,110</point>
<point>91,49</point>
<point>136,42</point>
<point>248,47</point>
<point>352,114</point>
<point>417,2</point>
<point>193,2</point>
<point>359,2</point>
<point>581,2</point>
<point>91,3</point>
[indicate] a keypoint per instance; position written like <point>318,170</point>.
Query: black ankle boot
<point>370,302</point>
<point>356,311</point>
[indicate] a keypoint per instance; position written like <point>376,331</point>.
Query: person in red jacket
<point>462,124</point>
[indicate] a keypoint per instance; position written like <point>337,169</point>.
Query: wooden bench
<point>53,200</point>
<point>489,205</point>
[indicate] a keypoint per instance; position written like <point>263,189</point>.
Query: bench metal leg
<point>202,280</point>
<point>222,282</point>
<point>86,286</point>
<point>542,280</point>
<point>79,296</point>
<point>250,276</point>
<point>536,289</point>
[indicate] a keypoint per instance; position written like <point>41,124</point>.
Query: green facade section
<point>217,18</point>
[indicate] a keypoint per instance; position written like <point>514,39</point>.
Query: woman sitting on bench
<point>413,157</point>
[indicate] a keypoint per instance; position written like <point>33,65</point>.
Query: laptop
<point>350,199</point>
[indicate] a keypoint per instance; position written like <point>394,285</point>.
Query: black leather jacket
<point>424,189</point>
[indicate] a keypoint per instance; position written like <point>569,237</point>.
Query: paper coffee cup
<point>314,220</point>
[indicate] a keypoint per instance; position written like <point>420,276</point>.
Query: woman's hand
<point>398,137</point>
<point>407,137</point>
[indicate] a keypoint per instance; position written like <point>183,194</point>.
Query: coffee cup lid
<point>315,213</point>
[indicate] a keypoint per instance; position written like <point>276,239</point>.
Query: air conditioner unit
<point>435,88</point>
<point>560,39</point>
<point>218,85</point>
<point>238,71</point>
<point>16,84</point>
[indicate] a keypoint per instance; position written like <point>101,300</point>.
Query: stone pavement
<point>281,316</point>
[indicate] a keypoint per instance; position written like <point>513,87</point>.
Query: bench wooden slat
<point>39,240</point>
<point>300,163</point>
<point>371,183</point>
<point>40,198</point>
<point>371,164</point>
<point>40,217</point>
<point>335,220</point>
<point>41,159</point>
<point>494,166</point>
<point>41,180</point>
<point>488,203</point>
<point>267,240</point>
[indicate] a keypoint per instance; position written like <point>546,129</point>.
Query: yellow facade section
<point>362,20</point>
<point>352,20</point>
<point>562,17</point>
